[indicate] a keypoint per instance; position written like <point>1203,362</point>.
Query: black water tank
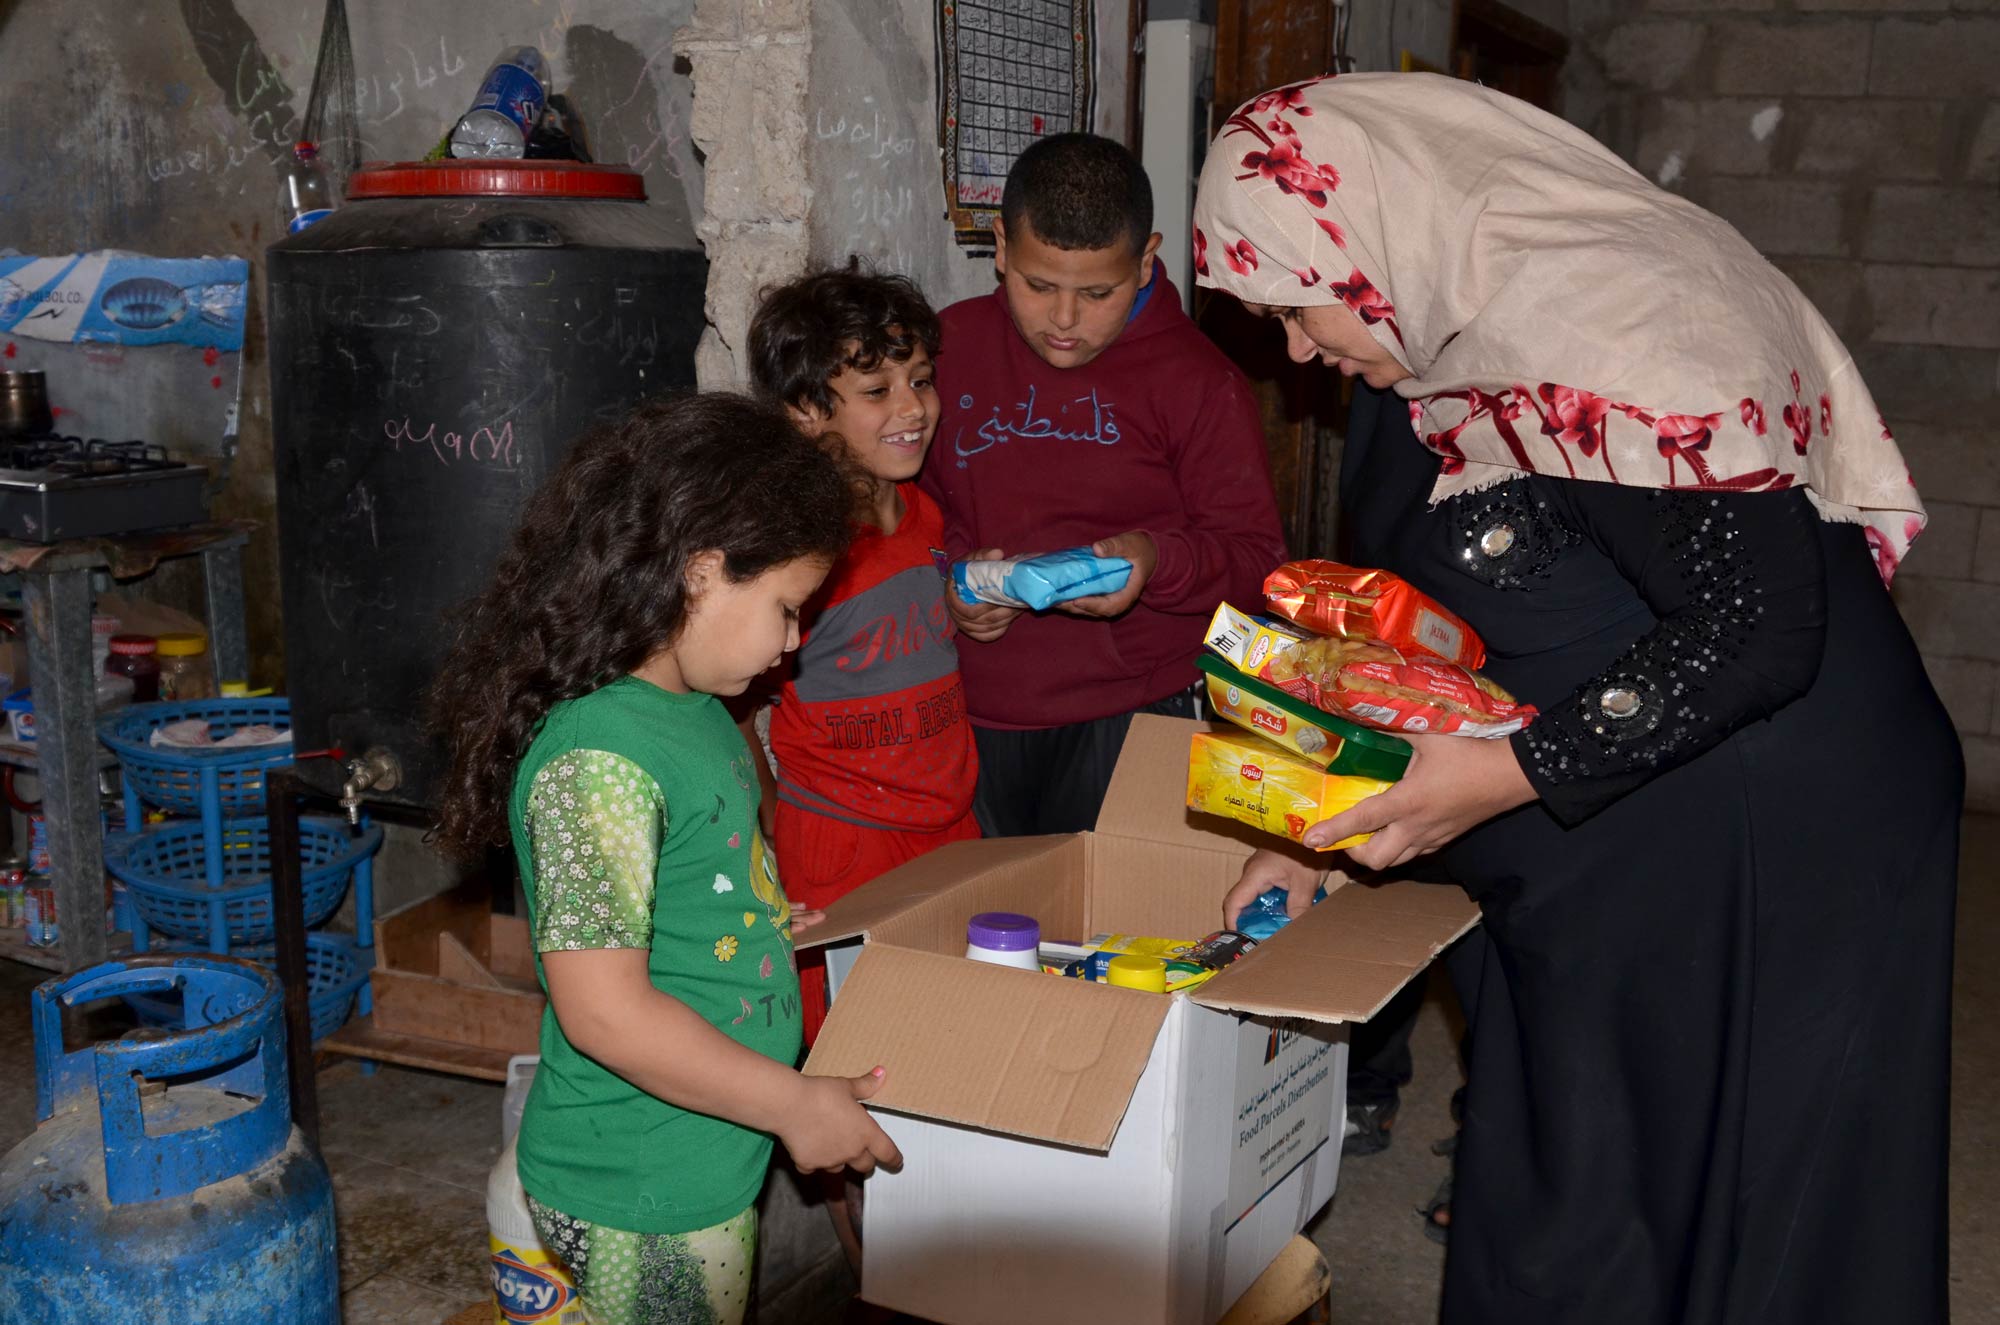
<point>436,344</point>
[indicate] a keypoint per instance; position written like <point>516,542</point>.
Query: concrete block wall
<point>748,62</point>
<point>1857,144</point>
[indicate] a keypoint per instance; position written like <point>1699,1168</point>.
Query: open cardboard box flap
<point>911,884</point>
<point>1057,1060</point>
<point>1346,957</point>
<point>990,1046</point>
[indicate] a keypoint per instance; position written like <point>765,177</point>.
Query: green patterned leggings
<point>698,1278</point>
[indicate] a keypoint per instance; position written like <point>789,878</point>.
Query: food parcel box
<point>1078,1152</point>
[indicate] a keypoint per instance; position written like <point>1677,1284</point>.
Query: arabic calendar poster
<point>1011,71</point>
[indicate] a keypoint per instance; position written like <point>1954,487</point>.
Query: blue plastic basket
<point>336,970</point>
<point>211,783</point>
<point>167,870</point>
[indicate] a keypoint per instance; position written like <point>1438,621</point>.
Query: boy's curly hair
<point>595,580</point>
<point>808,329</point>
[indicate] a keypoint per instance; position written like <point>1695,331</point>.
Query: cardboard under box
<point>1076,1152</point>
<point>447,968</point>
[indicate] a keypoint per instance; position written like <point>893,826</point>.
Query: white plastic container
<point>1003,938</point>
<point>528,1283</point>
<point>520,1076</point>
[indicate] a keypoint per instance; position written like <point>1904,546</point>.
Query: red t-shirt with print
<point>870,726</point>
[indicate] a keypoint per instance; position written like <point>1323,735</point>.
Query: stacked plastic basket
<point>203,880</point>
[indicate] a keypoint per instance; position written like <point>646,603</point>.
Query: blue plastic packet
<point>1266,916</point>
<point>1037,583</point>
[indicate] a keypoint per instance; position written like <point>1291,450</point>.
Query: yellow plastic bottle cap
<point>1129,972</point>
<point>185,644</point>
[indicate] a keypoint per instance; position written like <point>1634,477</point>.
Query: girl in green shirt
<point>663,564</point>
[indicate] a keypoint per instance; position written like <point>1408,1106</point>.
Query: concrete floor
<point>410,1151</point>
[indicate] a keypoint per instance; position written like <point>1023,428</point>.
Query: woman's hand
<point>827,1130</point>
<point>1264,871</point>
<point>983,622</point>
<point>1454,783</point>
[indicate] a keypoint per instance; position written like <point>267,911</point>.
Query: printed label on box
<point>1283,1113</point>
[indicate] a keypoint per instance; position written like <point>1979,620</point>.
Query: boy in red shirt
<point>875,759</point>
<point>1082,407</point>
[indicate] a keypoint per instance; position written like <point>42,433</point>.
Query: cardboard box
<point>1081,1153</point>
<point>447,968</point>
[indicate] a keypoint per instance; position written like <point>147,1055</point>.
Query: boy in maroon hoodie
<point>1082,407</point>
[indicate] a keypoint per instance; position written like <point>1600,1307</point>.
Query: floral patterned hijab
<point>1560,314</point>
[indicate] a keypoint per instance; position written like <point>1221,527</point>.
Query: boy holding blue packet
<point>1083,409</point>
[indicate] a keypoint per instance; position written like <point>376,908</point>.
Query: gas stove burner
<point>55,487</point>
<point>60,454</point>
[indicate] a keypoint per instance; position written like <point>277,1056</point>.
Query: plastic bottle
<point>184,670</point>
<point>528,1283</point>
<point>1003,938</point>
<point>41,923</point>
<point>102,627</point>
<point>503,114</point>
<point>304,195</point>
<point>514,1099</point>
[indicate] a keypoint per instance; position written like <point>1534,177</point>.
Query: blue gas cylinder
<point>165,1181</point>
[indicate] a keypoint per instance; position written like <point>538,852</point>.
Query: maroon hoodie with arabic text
<point>1159,432</point>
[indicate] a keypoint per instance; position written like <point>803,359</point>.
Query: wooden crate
<point>447,968</point>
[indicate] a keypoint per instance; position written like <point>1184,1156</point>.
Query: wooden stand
<point>454,989</point>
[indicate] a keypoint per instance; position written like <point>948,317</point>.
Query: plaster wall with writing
<point>154,126</point>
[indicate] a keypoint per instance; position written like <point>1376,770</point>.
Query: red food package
<point>1377,686</point>
<point>1328,598</point>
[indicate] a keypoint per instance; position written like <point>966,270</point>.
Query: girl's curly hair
<point>595,580</point>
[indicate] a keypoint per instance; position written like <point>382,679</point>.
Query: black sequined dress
<point>1709,1042</point>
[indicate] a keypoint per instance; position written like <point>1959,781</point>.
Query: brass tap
<point>377,770</point>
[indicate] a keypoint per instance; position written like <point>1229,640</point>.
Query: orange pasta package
<point>1366,681</point>
<point>1379,686</point>
<point>1344,602</point>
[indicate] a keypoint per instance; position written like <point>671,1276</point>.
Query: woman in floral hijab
<point>1708,1064</point>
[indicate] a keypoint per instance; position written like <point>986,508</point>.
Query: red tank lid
<point>495,179</point>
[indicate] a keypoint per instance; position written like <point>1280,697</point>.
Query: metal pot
<point>24,404</point>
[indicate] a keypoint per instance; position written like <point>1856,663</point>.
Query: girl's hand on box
<point>1454,784</point>
<point>806,918</point>
<point>827,1129</point>
<point>982,622</point>
<point>1264,871</point>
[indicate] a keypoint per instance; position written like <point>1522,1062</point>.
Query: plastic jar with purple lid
<point>1004,939</point>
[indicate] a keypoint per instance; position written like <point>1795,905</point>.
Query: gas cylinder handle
<point>228,986</point>
<point>242,1055</point>
<point>58,1074</point>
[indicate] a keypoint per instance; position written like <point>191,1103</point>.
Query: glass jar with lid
<point>185,672</point>
<point>137,657</point>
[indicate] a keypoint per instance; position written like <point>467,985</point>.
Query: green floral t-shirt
<point>635,826</point>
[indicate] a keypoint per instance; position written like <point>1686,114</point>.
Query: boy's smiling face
<point>1068,304</point>
<point>884,416</point>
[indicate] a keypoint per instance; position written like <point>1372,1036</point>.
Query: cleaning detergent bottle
<point>529,1284</point>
